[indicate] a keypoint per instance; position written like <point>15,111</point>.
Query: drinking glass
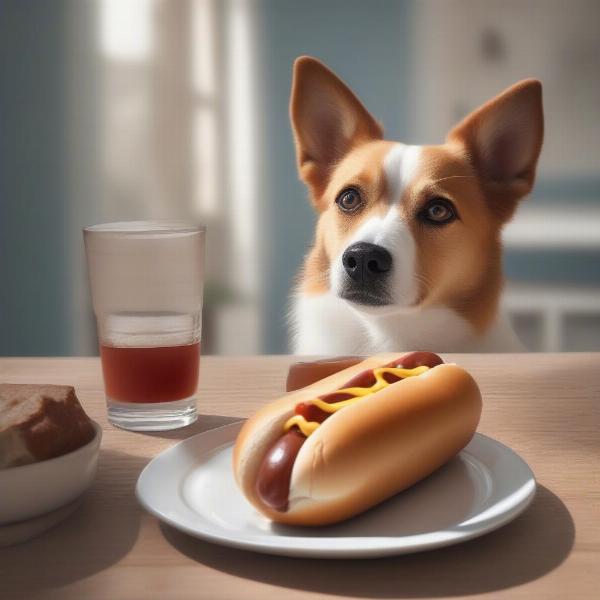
<point>146,280</point>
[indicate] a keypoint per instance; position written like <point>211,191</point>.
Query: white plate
<point>191,487</point>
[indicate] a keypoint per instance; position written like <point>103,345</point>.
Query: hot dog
<point>345,443</point>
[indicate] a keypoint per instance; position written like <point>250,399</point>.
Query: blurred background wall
<point>131,109</point>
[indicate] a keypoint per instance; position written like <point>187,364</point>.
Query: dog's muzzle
<point>367,267</point>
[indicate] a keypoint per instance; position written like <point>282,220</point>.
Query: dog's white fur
<point>352,331</point>
<point>357,329</point>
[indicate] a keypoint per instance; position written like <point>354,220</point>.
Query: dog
<point>407,252</point>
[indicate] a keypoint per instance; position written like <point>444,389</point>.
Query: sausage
<point>313,413</point>
<point>273,481</point>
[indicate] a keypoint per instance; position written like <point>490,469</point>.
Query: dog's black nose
<point>366,262</point>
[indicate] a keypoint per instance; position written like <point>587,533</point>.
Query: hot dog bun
<point>368,451</point>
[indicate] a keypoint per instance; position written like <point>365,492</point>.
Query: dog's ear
<point>327,121</point>
<point>503,139</point>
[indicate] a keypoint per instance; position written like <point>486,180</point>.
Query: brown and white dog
<point>407,252</point>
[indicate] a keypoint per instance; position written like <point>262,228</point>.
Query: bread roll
<point>38,422</point>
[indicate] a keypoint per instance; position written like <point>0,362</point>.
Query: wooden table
<point>546,407</point>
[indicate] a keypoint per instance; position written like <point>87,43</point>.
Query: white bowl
<point>38,488</point>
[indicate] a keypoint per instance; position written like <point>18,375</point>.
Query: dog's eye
<point>438,211</point>
<point>349,200</point>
